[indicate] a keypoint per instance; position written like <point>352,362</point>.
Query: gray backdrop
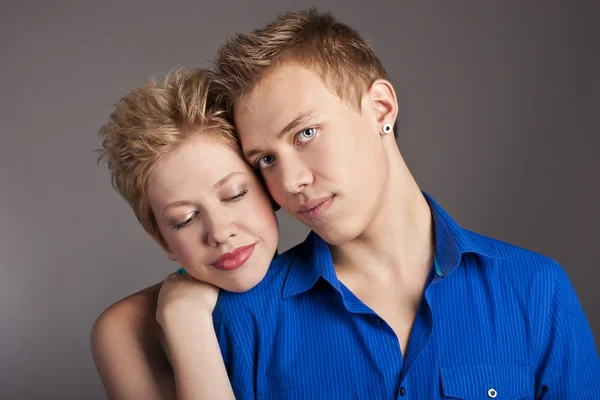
<point>498,121</point>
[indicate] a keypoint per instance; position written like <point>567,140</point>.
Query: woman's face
<point>213,213</point>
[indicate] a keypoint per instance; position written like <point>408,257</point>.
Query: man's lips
<point>313,209</point>
<point>309,205</point>
<point>234,259</point>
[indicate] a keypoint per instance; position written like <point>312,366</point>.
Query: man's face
<point>322,160</point>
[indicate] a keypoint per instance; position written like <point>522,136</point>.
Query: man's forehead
<point>277,100</point>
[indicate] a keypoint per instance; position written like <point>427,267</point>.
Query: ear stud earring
<point>387,129</point>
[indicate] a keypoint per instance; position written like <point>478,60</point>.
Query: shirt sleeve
<point>238,367</point>
<point>568,367</point>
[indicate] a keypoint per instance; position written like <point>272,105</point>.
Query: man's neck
<point>398,244</point>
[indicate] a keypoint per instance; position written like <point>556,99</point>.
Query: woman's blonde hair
<point>151,121</point>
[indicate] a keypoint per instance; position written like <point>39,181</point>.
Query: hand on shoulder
<point>182,296</point>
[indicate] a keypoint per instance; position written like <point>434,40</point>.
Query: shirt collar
<point>312,258</point>
<point>451,241</point>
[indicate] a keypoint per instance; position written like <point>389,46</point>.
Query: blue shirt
<point>495,321</point>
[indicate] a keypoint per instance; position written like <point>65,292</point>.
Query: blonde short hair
<point>151,121</point>
<point>345,62</point>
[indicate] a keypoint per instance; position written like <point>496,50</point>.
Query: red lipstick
<point>234,259</point>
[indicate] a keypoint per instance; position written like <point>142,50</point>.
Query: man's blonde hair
<point>151,121</point>
<point>345,62</point>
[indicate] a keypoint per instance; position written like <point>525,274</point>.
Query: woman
<point>173,156</point>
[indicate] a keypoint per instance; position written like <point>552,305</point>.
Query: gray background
<point>498,121</point>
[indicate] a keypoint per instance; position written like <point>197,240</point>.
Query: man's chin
<point>335,234</point>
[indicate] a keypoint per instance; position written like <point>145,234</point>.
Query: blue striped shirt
<point>495,321</point>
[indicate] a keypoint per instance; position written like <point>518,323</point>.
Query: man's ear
<point>161,243</point>
<point>382,99</point>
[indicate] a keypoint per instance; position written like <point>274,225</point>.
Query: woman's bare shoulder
<point>126,343</point>
<point>131,317</point>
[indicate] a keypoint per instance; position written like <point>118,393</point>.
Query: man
<point>388,297</point>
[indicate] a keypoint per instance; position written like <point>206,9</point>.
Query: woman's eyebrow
<point>176,204</point>
<point>226,178</point>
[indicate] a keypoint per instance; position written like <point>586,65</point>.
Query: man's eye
<point>306,135</point>
<point>265,161</point>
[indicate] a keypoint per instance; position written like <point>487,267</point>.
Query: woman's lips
<point>234,259</point>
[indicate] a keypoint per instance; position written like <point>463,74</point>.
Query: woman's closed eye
<point>191,217</point>
<point>178,225</point>
<point>237,196</point>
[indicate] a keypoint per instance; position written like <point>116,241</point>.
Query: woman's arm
<point>127,347</point>
<point>184,312</point>
<point>134,357</point>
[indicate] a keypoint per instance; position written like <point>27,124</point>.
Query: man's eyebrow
<point>292,125</point>
<point>299,120</point>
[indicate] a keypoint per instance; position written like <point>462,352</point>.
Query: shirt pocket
<point>499,382</point>
<point>338,391</point>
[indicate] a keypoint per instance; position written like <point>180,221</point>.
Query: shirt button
<point>402,391</point>
<point>492,393</point>
<point>378,320</point>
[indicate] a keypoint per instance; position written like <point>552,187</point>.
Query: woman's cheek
<point>263,208</point>
<point>184,248</point>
